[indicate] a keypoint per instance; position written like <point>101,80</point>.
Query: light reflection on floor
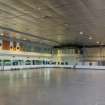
<point>52,87</point>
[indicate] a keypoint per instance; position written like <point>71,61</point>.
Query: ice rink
<point>52,87</point>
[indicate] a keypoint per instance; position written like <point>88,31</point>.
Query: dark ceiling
<point>55,22</point>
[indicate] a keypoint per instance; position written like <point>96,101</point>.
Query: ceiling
<point>55,22</point>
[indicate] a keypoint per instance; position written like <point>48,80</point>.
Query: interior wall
<point>92,56</point>
<point>70,55</point>
<point>97,53</point>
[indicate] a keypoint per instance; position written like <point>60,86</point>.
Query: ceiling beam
<point>32,35</point>
<point>78,46</point>
<point>69,46</point>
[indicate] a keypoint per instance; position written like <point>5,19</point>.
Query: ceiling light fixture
<point>24,39</point>
<point>2,34</point>
<point>81,33</point>
<point>90,38</point>
<point>97,42</point>
<point>39,8</point>
<point>66,24</point>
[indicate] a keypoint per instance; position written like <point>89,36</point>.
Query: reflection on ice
<point>47,75</point>
<point>52,87</point>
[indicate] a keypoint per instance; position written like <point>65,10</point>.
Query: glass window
<point>28,62</point>
<point>38,62</point>
<point>0,62</point>
<point>33,62</point>
<point>66,63</point>
<point>20,62</point>
<point>7,62</point>
<point>62,63</point>
<point>15,62</point>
